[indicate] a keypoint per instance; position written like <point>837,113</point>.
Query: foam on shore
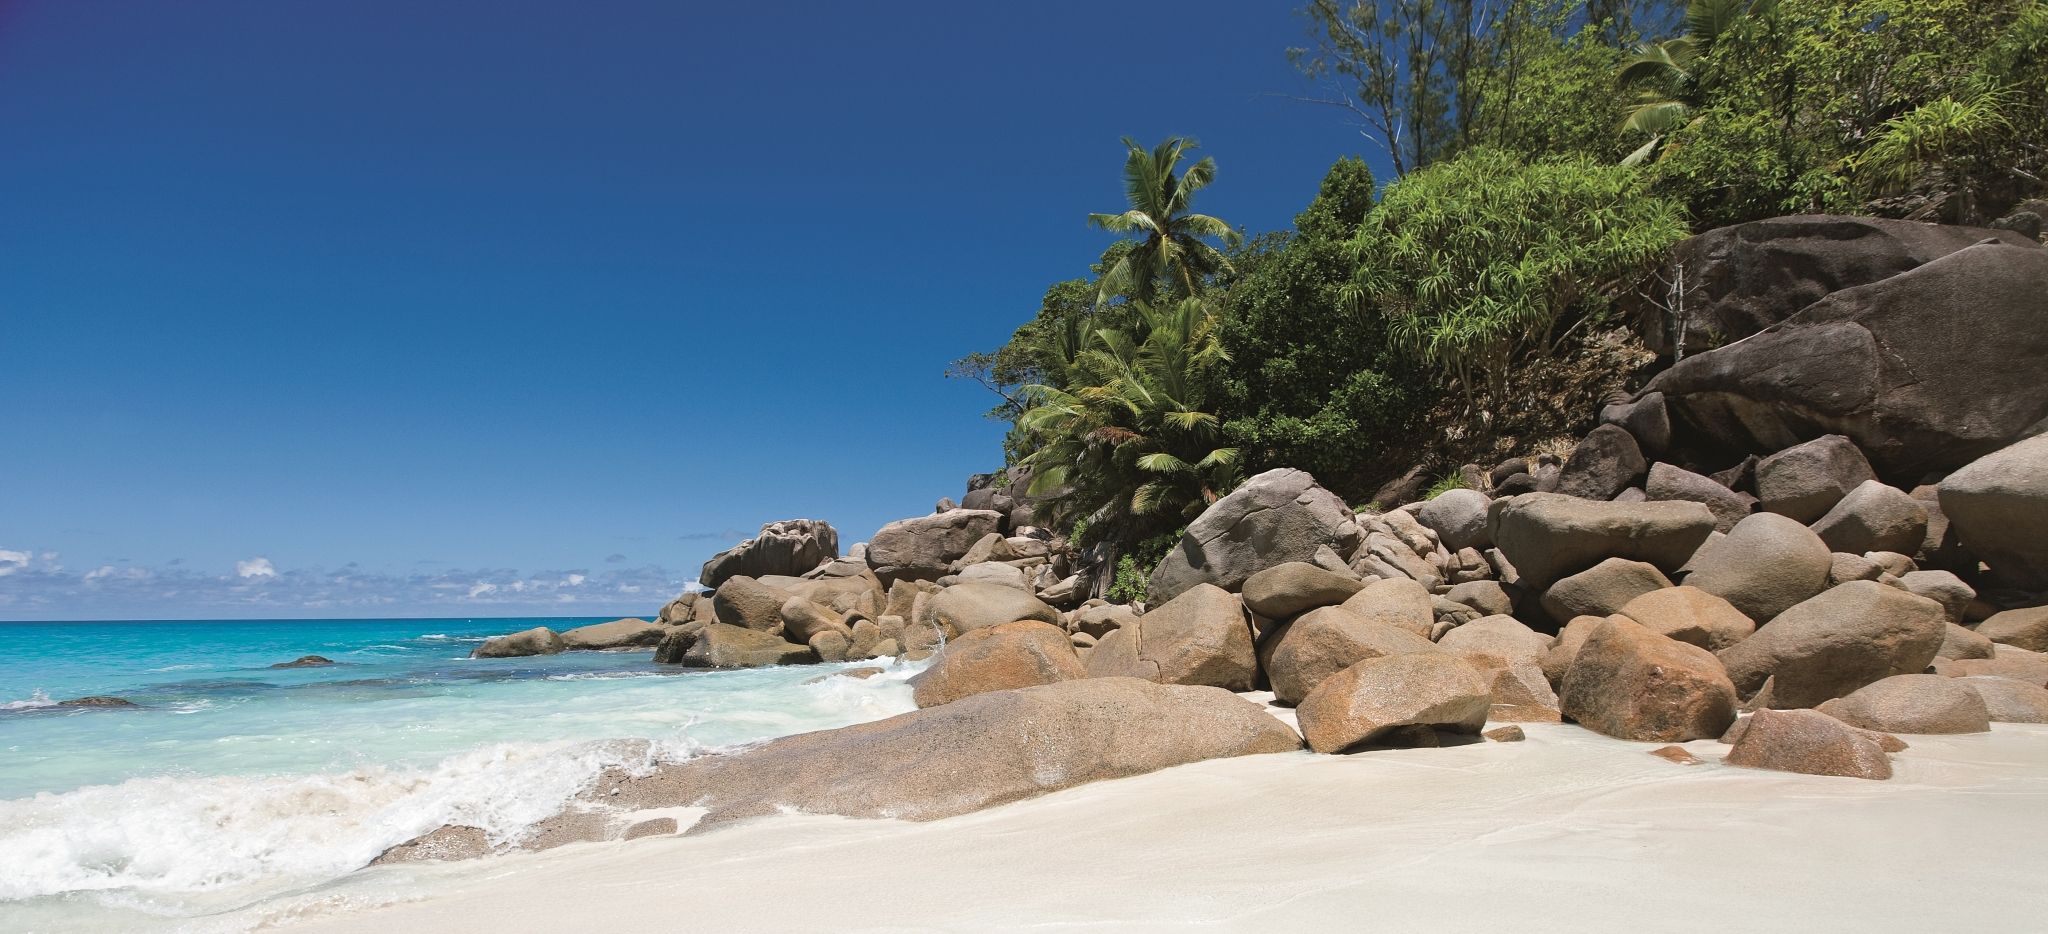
<point>1568,831</point>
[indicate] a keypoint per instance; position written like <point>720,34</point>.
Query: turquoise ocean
<point>233,782</point>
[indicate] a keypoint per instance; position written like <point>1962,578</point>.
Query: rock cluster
<point>1836,522</point>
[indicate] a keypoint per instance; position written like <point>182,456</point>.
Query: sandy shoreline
<point>1567,831</point>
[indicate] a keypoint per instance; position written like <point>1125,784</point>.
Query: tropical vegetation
<point>1535,160</point>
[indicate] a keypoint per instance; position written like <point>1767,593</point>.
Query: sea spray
<point>186,844</point>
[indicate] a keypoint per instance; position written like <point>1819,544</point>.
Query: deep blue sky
<point>407,296</point>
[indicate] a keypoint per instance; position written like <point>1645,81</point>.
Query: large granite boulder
<point>1668,482</point>
<point>1200,637</point>
<point>1767,564</point>
<point>802,619</point>
<point>2009,700</point>
<point>1299,655</point>
<point>1276,517</point>
<point>998,658</point>
<point>1283,590</point>
<point>1631,683</point>
<point>617,634</point>
<point>1841,640</point>
<point>1547,536</point>
<point>1378,696</point>
<point>1502,637</point>
<point>787,548</point>
<point>1941,587</point>
<point>1744,278</point>
<point>1806,480</point>
<point>1886,365</point>
<point>1458,517</point>
<point>925,547</point>
<point>1998,506</point>
<point>976,752</point>
<point>1808,742</point>
<point>1397,602</point>
<point>1913,704</point>
<point>965,607</point>
<point>2005,662</point>
<point>1605,463</point>
<point>1602,589</point>
<point>748,603</point>
<point>724,646</point>
<point>1874,517</point>
<point>540,640</point>
<point>2025,628</point>
<point>1692,616</point>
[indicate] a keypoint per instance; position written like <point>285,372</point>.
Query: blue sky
<point>475,308</point>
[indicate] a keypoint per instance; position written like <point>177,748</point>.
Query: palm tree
<point>1669,77</point>
<point>1174,249</point>
<point>1127,442</point>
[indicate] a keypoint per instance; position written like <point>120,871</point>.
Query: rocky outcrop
<point>1913,704</point>
<point>540,640</point>
<point>1200,638</point>
<point>788,548</point>
<point>1998,507</point>
<point>925,547</point>
<point>1547,536</point>
<point>1377,697</point>
<point>1275,517</point>
<point>1767,564</point>
<point>1747,277</point>
<point>617,634</point>
<point>1808,742</point>
<point>725,646</point>
<point>1885,365</point>
<point>1631,683</point>
<point>998,658</point>
<point>1841,640</point>
<point>1301,654</point>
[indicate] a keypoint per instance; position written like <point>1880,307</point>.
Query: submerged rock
<point>306,661</point>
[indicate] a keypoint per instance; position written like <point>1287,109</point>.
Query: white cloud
<point>481,588</point>
<point>110,572</point>
<point>258,566</point>
<point>12,561</point>
<point>575,580</point>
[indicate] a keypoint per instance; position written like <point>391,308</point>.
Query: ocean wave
<point>35,699</point>
<point>256,836</point>
<point>608,675</point>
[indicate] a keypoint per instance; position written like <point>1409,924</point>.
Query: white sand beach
<point>1567,831</point>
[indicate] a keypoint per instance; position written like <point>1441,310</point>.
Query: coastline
<point>1568,830</point>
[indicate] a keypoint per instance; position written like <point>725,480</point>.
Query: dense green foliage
<point>1311,380</point>
<point>1545,154</point>
<point>1484,262</point>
